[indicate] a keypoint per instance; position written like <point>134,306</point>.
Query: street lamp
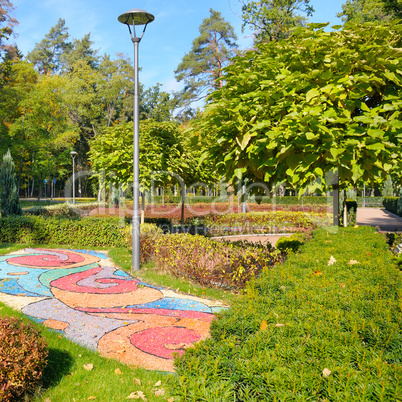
<point>73,155</point>
<point>133,18</point>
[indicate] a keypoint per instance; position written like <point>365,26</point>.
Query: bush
<point>391,204</point>
<point>90,231</point>
<point>65,210</point>
<point>291,243</point>
<point>264,222</point>
<point>148,234</point>
<point>23,356</point>
<point>316,328</point>
<point>211,263</point>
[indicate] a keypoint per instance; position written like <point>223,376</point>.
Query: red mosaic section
<point>164,342</point>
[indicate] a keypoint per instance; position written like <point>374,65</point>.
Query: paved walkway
<point>83,295</point>
<point>379,217</point>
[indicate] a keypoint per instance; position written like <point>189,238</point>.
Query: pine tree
<point>201,68</point>
<point>10,204</point>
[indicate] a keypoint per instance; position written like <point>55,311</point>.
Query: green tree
<point>80,50</point>
<point>296,109</point>
<point>359,11</point>
<point>201,68</point>
<point>273,20</point>
<point>47,53</point>
<point>160,150</point>
<point>9,196</point>
<point>157,105</point>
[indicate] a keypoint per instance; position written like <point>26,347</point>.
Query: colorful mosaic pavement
<point>82,294</point>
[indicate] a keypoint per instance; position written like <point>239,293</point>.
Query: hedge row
<point>324,326</point>
<point>393,204</point>
<point>91,231</point>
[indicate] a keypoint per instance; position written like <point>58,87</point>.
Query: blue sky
<point>166,40</point>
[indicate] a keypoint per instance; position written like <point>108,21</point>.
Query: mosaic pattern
<point>81,294</point>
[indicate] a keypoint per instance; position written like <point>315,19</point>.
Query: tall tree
<point>273,20</point>
<point>296,109</point>
<point>201,68</point>
<point>359,11</point>
<point>47,53</point>
<point>7,23</point>
<point>9,196</point>
<point>80,50</point>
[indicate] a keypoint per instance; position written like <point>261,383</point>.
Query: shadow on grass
<point>58,366</point>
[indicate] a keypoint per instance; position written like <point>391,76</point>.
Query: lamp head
<point>136,17</point>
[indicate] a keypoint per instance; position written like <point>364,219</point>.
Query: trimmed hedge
<point>393,204</point>
<point>89,231</point>
<point>326,325</point>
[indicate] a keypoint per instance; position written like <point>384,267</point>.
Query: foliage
<point>274,20</point>
<point>217,264</point>
<point>47,53</point>
<point>111,153</point>
<point>360,11</point>
<point>316,326</point>
<point>264,222</point>
<point>201,68</point>
<point>65,210</point>
<point>291,243</point>
<point>9,196</point>
<point>23,355</point>
<point>393,204</point>
<point>299,108</point>
<point>82,232</point>
<point>387,189</point>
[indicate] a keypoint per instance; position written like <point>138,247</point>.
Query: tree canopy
<point>360,11</point>
<point>318,101</point>
<point>273,20</point>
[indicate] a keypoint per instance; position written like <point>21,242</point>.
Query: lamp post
<point>73,155</point>
<point>133,18</point>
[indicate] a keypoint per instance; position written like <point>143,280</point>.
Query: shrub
<point>291,243</point>
<point>391,204</point>
<point>90,231</point>
<point>23,356</point>
<point>66,210</point>
<point>148,234</point>
<point>264,222</point>
<point>211,263</point>
<point>316,328</point>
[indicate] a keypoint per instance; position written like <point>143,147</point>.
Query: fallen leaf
<point>280,325</point>
<point>331,260</point>
<point>352,262</point>
<point>342,285</point>
<point>118,371</point>
<point>88,366</point>
<point>133,395</point>
<point>170,400</point>
<point>141,395</point>
<point>264,325</point>
<point>159,392</point>
<point>326,372</point>
<point>158,384</point>
<point>48,400</point>
<point>137,381</point>
<point>356,226</point>
<point>318,273</point>
<point>90,398</point>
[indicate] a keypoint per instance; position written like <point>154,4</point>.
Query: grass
<point>66,379</point>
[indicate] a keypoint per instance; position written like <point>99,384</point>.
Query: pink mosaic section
<point>101,307</point>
